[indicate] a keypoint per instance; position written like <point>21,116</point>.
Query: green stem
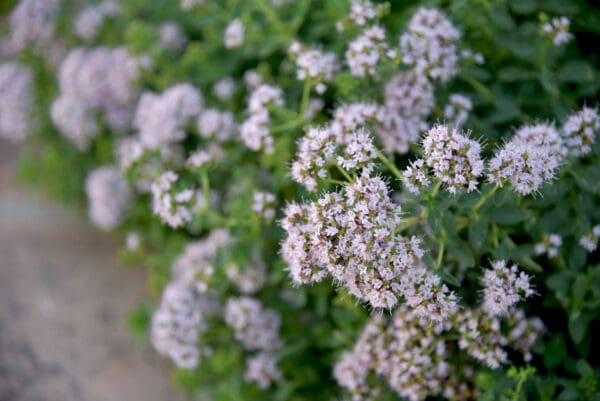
<point>344,173</point>
<point>337,182</point>
<point>440,256</point>
<point>305,99</point>
<point>436,189</point>
<point>271,16</point>
<point>300,118</point>
<point>481,88</point>
<point>205,188</point>
<point>484,199</point>
<point>389,164</point>
<point>286,126</point>
<point>411,221</point>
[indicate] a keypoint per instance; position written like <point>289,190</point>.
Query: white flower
<point>264,205</point>
<point>89,20</point>
<point>234,34</point>
<point>429,45</point>
<point>162,119</point>
<point>91,81</point>
<point>504,287</point>
<point>176,324</point>
<point>416,176</point>
<point>174,207</point>
<point>262,369</point>
<point>172,36</point>
<point>557,29</point>
<point>580,130</point>
<point>529,159</point>
<point>590,241</point>
<point>211,154</point>
<point>550,245</point>
<point>251,278</point>
<point>216,125</point>
<point>108,196</point>
<point>16,108</point>
<point>252,79</point>
<point>409,94</point>
<point>453,158</point>
<point>32,23</point>
<point>362,11</point>
<point>256,327</point>
<point>457,110</point>
<point>224,89</point>
<point>364,52</point>
<point>133,241</point>
<point>190,4</point>
<point>313,64</point>
<point>255,130</point>
<point>263,96</point>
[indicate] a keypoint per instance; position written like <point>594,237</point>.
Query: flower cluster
<point>350,236</point>
<point>91,81</point>
<point>453,158</point>
<point>412,356</point>
<point>365,51</point>
<point>504,287</point>
<point>579,131</point>
<point>416,176</point>
<point>263,204</point>
<point>251,278</point>
<point>529,159</point>
<point>313,64</point>
<point>174,205</point>
<point>162,119</point>
<point>32,22</point>
<point>557,29</point>
<point>185,304</point>
<point>224,89</point>
<point>196,264</point>
<point>177,323</point>
<point>16,120</point>
<point>257,329</point>
<point>362,12</point>
<point>108,196</point>
<point>550,245</point>
<point>408,100</point>
<point>216,125</point>
<point>234,34</point>
<point>89,20</point>
<point>590,241</point>
<point>172,36</point>
<point>457,110</point>
<point>255,130</point>
<point>190,4</point>
<point>430,45</point>
<point>482,337</point>
<point>342,142</point>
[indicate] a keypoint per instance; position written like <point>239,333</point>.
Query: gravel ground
<point>63,304</point>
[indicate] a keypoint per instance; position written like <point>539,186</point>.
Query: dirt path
<point>63,303</point>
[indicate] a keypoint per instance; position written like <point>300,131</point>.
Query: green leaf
<point>460,251</point>
<point>478,232</point>
<point>515,74</point>
<point>576,71</point>
<point>507,215</point>
<point>449,278</point>
<point>577,328</point>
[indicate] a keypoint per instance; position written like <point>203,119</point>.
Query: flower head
<point>453,157</point>
<point>503,287</point>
